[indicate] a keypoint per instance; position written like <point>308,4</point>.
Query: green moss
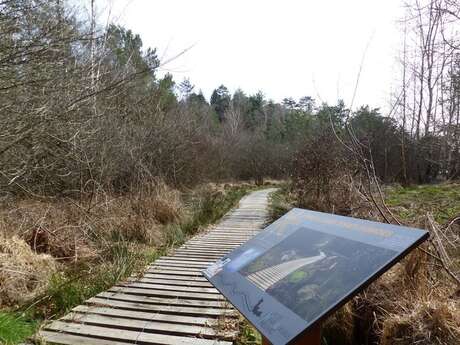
<point>442,200</point>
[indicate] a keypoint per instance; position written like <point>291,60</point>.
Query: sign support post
<point>312,337</point>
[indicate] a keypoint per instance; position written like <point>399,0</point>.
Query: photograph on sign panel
<point>309,271</point>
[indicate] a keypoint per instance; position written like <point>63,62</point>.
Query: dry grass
<point>339,327</point>
<point>39,236</point>
<point>428,322</point>
<point>416,302</point>
<point>413,303</point>
<point>23,273</point>
<point>160,202</point>
<point>68,229</point>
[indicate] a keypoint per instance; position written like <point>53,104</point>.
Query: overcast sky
<point>286,48</point>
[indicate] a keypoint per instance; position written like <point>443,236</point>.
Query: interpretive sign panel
<point>306,265</point>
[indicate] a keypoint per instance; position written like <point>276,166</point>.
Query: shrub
<point>322,176</point>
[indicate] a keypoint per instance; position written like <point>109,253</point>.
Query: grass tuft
<point>208,205</point>
<point>70,288</point>
<point>14,328</point>
<point>281,201</point>
<point>248,335</point>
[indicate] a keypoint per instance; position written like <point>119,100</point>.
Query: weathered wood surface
<point>172,303</point>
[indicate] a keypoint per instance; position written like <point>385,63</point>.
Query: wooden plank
<point>243,225</point>
<point>227,241</point>
<point>238,235</point>
<point>161,300</point>
<point>178,264</point>
<point>222,233</point>
<point>71,339</point>
<point>187,255</point>
<point>172,282</point>
<point>146,325</point>
<point>191,260</point>
<point>199,254</point>
<point>207,248</point>
<point>242,232</point>
<point>155,268</point>
<point>211,245</point>
<point>246,229</point>
<point>143,315</point>
<point>171,260</point>
<point>164,309</point>
<point>222,241</point>
<point>170,287</point>
<point>216,244</point>
<point>174,272</point>
<point>122,334</point>
<point>155,292</point>
<point>175,277</point>
<point>203,246</point>
<point>200,251</point>
<point>210,249</point>
<point>228,235</point>
<point>204,249</point>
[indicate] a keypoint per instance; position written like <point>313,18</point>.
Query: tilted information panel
<point>306,265</point>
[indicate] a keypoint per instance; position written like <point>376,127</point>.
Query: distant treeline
<point>82,108</point>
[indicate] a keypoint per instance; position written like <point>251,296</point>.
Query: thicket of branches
<point>83,108</point>
<point>428,103</point>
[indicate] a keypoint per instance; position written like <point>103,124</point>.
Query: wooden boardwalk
<point>172,303</point>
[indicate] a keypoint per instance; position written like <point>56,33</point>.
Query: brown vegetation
<point>40,237</point>
<point>413,303</point>
<point>323,176</point>
<point>63,228</point>
<point>56,252</point>
<point>24,274</point>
